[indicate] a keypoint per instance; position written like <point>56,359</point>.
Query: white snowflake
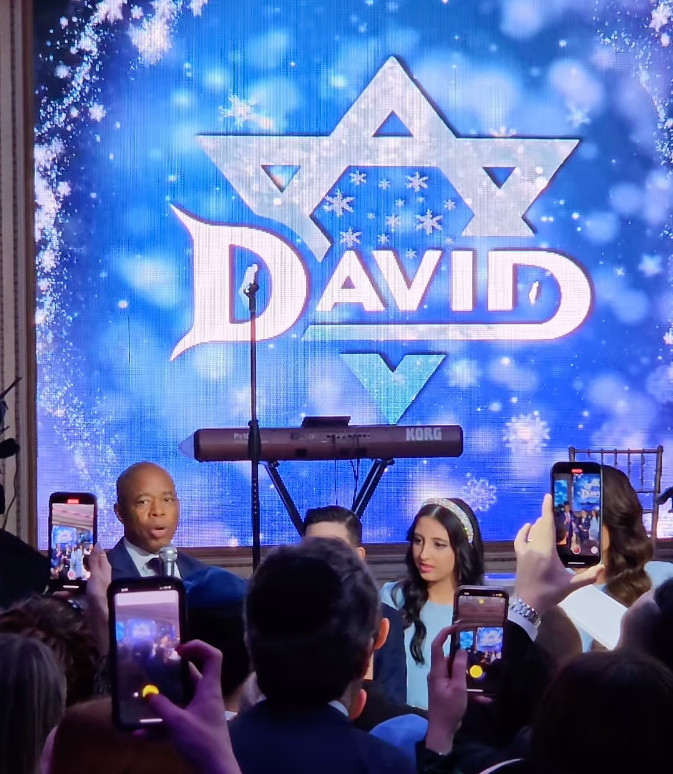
<point>196,6</point>
<point>449,241</point>
<point>350,237</point>
<point>577,116</point>
<point>464,373</point>
<point>62,71</point>
<point>502,131</point>
<point>478,493</point>
<point>384,184</point>
<point>110,10</point>
<point>668,338</point>
<point>449,204</point>
<point>97,112</point>
<point>661,15</point>
<point>358,178</point>
<point>428,222</point>
<point>410,254</point>
<point>241,110</point>
<point>526,434</point>
<point>63,189</point>
<point>620,271</point>
<point>417,182</point>
<point>136,12</point>
<point>371,216</point>
<point>152,38</point>
<point>399,202</point>
<point>393,221</point>
<point>420,199</point>
<point>650,265</point>
<point>383,239</point>
<point>338,204</point>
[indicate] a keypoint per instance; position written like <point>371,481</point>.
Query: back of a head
<point>312,613</point>
<point>336,514</point>
<point>86,740</point>
<point>32,700</point>
<point>66,631</point>
<point>608,711</point>
<point>661,633</point>
<point>630,548</point>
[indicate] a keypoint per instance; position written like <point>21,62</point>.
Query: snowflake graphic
<point>668,338</point>
<point>371,216</point>
<point>136,12</point>
<point>478,493</point>
<point>449,204</point>
<point>417,182</point>
<point>526,434</point>
<point>428,222</point>
<point>399,202</point>
<point>410,254</point>
<point>384,239</point>
<point>393,221</point>
<point>110,10</point>
<point>384,184</point>
<point>196,6</point>
<point>350,237</point>
<point>97,112</point>
<point>241,110</point>
<point>358,178</point>
<point>661,15</point>
<point>338,204</point>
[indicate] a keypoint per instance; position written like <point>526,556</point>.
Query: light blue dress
<point>659,572</point>
<point>435,617</point>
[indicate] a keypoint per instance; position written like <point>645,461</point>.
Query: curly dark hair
<point>64,629</point>
<point>469,566</point>
<point>630,548</point>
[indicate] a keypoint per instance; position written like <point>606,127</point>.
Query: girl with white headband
<point>445,551</point>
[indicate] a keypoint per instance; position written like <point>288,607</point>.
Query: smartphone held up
<point>72,536</point>
<point>482,613</point>
<point>147,624</point>
<point>577,489</point>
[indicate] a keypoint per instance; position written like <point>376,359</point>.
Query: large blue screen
<point>461,211</point>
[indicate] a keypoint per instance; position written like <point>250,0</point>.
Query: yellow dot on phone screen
<point>476,671</point>
<point>149,690</point>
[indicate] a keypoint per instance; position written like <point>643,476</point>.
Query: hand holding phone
<point>482,613</point>
<point>72,536</point>
<point>147,624</point>
<point>578,512</point>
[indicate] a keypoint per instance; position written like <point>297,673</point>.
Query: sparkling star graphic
<point>354,142</point>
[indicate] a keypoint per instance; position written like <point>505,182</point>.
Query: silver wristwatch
<point>518,606</point>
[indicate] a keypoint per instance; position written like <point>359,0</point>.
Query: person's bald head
<point>147,506</point>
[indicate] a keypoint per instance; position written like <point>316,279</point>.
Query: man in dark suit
<point>312,617</point>
<point>390,663</point>
<point>149,509</point>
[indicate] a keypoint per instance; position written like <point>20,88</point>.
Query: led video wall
<point>461,212</point>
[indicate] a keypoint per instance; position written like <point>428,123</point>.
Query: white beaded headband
<point>455,510</point>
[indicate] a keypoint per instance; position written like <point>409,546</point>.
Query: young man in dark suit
<point>312,618</point>
<point>390,663</point>
<point>148,507</point>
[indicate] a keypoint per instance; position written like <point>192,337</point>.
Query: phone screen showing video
<point>483,643</point>
<point>577,508</point>
<point>147,634</point>
<point>71,540</point>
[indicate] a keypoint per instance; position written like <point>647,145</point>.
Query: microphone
<point>249,285</point>
<point>665,495</point>
<point>168,556</point>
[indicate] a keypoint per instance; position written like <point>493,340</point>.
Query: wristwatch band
<point>518,606</point>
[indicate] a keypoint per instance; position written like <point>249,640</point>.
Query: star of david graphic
<point>498,210</point>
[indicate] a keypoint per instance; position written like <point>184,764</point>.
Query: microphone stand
<point>254,440</point>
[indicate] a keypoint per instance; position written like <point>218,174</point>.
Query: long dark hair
<point>630,549</point>
<point>469,566</point>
